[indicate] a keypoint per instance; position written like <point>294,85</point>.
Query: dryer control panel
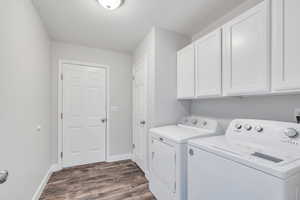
<point>200,122</point>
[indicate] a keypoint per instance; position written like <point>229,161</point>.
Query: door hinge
<point>61,77</point>
<point>133,146</point>
<point>61,154</point>
<point>61,115</point>
<point>133,78</point>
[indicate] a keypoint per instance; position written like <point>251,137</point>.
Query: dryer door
<point>163,169</point>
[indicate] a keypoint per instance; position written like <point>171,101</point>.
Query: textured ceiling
<point>85,22</point>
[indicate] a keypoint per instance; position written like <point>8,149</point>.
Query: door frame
<point>60,106</point>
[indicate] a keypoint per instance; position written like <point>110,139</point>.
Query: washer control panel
<point>269,132</point>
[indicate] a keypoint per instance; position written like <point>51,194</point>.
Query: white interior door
<point>140,114</point>
<point>84,114</point>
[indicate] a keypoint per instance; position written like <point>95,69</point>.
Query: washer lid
<point>180,134</point>
<point>269,160</point>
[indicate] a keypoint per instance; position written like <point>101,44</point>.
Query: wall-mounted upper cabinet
<point>236,59</point>
<point>186,73</point>
<point>286,43</point>
<point>246,52</point>
<point>208,54</point>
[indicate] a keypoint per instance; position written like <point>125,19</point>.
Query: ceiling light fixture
<point>111,4</point>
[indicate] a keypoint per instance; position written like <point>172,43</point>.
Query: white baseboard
<point>56,167</point>
<point>119,157</point>
<point>147,175</point>
<point>44,182</point>
<point>146,171</point>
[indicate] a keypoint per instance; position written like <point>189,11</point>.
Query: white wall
<point>25,99</point>
<point>263,107</point>
<point>167,109</point>
<point>120,136</point>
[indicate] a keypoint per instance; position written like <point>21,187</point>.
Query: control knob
<point>248,127</point>
<point>238,126</point>
<point>194,121</point>
<point>259,129</point>
<point>204,123</point>
<point>291,132</point>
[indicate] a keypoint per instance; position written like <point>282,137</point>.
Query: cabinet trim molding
<point>280,83</point>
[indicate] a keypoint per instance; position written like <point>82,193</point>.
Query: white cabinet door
<point>208,52</point>
<point>186,72</point>
<point>247,52</point>
<point>286,42</point>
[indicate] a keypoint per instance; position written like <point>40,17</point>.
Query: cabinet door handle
<point>143,122</point>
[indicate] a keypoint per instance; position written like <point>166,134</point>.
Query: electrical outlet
<point>296,113</point>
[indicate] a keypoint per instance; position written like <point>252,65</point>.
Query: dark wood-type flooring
<point>121,180</point>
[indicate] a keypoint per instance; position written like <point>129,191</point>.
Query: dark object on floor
<point>121,180</point>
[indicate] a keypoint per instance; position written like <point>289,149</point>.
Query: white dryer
<point>168,155</point>
<point>255,160</point>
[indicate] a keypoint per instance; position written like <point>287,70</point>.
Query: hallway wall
<point>24,99</point>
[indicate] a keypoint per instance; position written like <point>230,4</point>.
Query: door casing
<point>60,104</point>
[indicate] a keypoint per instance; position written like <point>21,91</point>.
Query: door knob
<point>143,122</point>
<point>103,120</point>
<point>3,176</point>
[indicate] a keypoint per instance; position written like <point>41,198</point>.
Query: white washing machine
<point>255,160</point>
<point>168,155</point>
